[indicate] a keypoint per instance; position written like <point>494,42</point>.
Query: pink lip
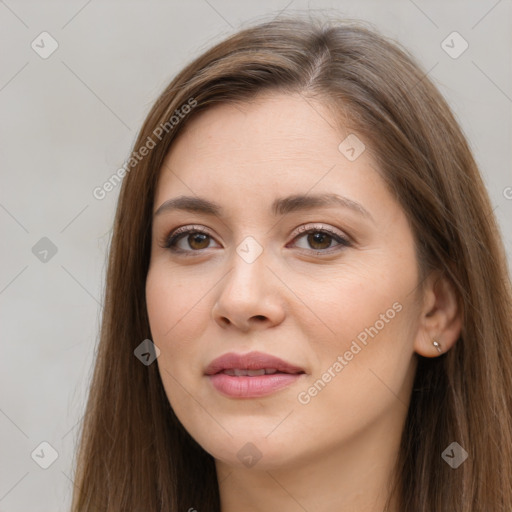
<point>246,386</point>
<point>251,387</point>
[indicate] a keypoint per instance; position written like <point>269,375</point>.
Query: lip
<point>251,387</point>
<point>250,361</point>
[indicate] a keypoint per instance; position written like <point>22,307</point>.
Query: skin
<point>295,302</point>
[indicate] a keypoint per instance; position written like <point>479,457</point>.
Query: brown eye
<point>188,240</point>
<point>321,240</point>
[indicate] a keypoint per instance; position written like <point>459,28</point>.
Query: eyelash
<point>171,240</point>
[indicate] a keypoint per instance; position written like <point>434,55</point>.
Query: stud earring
<point>436,344</point>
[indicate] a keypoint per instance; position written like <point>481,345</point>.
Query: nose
<point>249,296</point>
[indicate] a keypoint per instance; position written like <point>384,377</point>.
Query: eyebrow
<point>280,206</point>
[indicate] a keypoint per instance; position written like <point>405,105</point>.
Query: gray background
<point>68,123</point>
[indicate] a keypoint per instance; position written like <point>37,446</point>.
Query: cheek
<point>170,302</point>
<point>173,312</point>
<point>178,312</point>
<point>358,301</point>
<point>369,319</point>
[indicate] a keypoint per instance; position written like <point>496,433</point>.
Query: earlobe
<point>433,348</point>
<point>440,320</point>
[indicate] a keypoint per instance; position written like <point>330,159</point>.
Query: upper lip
<point>250,361</point>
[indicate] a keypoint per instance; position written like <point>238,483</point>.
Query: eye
<point>196,238</point>
<point>321,238</point>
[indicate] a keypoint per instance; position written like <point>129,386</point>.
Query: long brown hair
<point>135,455</point>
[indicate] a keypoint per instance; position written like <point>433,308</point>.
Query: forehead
<point>275,124</point>
<point>273,146</point>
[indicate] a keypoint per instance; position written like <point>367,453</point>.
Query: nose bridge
<point>247,291</point>
<point>248,267</point>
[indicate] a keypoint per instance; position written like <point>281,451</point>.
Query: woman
<point>307,302</point>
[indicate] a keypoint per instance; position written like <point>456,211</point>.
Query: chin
<point>250,451</point>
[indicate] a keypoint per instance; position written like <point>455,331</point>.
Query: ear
<point>440,316</point>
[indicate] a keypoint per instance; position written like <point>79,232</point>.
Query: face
<point>327,288</point>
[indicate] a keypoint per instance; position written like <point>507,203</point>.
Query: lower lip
<point>252,387</point>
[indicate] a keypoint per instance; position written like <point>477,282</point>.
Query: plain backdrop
<point>68,122</point>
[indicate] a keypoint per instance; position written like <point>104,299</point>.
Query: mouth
<point>251,375</point>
